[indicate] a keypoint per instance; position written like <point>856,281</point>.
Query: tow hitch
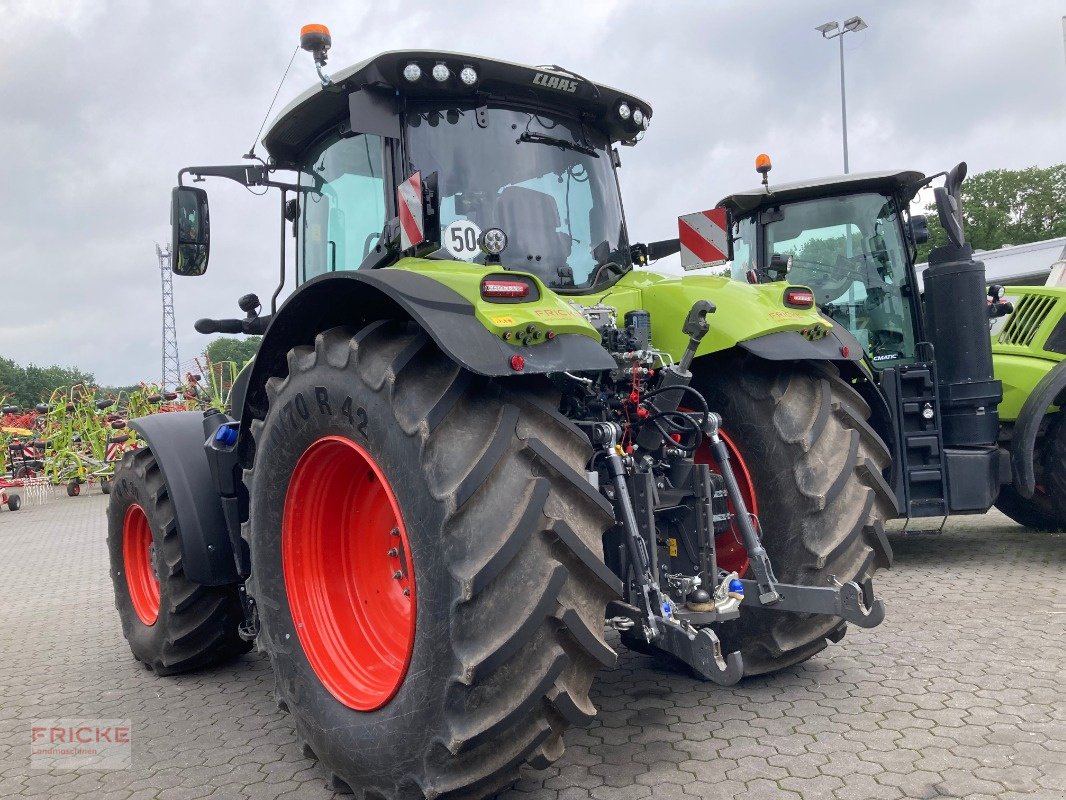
<point>849,601</point>
<point>685,629</point>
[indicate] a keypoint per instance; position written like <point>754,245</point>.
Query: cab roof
<point>303,120</point>
<point>901,183</point>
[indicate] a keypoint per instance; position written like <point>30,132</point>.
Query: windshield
<point>850,251</point>
<point>547,181</point>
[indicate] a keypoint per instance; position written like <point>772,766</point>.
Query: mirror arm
<point>281,277</point>
<point>244,174</point>
<point>664,248</point>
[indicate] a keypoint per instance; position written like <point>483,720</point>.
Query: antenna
<point>251,150</point>
<point>171,371</point>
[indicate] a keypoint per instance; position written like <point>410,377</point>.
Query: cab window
<point>342,204</point>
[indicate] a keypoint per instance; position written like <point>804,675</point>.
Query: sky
<point>101,103</point>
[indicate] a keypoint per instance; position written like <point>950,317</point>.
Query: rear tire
<point>816,466</point>
<point>14,502</point>
<point>1046,509</point>
<point>505,537</point>
<point>193,625</point>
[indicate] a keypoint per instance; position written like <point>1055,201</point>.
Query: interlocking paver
<point>960,693</point>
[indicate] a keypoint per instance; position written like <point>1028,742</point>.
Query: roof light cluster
<point>639,118</point>
<point>441,73</point>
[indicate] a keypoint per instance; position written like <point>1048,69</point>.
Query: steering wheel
<point>838,277</point>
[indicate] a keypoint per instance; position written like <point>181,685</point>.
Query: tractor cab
<point>851,240</point>
<point>422,153</point>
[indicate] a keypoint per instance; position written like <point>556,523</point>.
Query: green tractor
<point>477,433</point>
<point>971,424</point>
<point>1029,356</point>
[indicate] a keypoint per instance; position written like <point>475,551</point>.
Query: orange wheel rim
<point>138,549</point>
<point>348,573</point>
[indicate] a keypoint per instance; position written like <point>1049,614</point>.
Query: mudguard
<point>1027,426</point>
<point>177,442</point>
<point>357,298</point>
<point>838,344</point>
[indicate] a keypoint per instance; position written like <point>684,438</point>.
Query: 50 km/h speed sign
<point>461,240</point>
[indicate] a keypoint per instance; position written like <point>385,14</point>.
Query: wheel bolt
<point>406,592</point>
<point>393,552</point>
<point>397,574</point>
<point>394,532</point>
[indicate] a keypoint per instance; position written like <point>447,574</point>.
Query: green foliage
<point>230,348</point>
<point>30,385</point>
<point>1006,207</point>
<point>825,252</point>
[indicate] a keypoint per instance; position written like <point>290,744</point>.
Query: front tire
<point>816,469</point>
<point>172,624</point>
<point>498,540</point>
<point>1046,509</point>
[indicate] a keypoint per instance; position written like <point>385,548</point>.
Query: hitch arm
<point>607,436</point>
<point>765,582</point>
<point>849,601</point>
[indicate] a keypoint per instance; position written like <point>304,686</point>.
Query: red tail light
<point>798,297</point>
<point>494,287</point>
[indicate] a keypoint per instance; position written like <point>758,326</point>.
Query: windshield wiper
<point>565,144</point>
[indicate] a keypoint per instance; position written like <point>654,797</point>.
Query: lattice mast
<point>171,372</point>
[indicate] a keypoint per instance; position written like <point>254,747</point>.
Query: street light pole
<point>843,104</point>
<point>849,25</point>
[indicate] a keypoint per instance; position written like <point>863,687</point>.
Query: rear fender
<point>177,443</point>
<point>358,298</point>
<point>1048,392</point>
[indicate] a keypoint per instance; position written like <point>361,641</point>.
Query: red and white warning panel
<point>409,204</point>
<point>704,238</point>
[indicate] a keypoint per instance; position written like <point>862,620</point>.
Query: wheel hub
<point>348,573</point>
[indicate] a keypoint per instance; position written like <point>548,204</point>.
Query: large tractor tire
<point>809,462</point>
<point>172,624</point>
<point>1046,509</point>
<point>427,563</point>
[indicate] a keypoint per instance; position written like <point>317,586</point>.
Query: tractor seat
<point>531,221</point>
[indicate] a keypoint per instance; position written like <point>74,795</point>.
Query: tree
<point>30,385</point>
<point>230,348</point>
<point>1006,207</point>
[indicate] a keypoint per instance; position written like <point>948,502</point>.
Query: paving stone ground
<point>960,693</point>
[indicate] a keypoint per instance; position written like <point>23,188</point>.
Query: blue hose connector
<point>226,436</point>
<point>736,586</point>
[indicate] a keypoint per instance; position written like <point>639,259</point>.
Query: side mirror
<point>949,204</point>
<point>190,230</point>
<point>919,224</point>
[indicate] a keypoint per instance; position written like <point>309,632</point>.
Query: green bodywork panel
<point>1019,355</point>
<point>744,311</point>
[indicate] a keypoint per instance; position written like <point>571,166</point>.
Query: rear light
<point>518,363</point>
<point>503,289</point>
<point>798,297</point>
